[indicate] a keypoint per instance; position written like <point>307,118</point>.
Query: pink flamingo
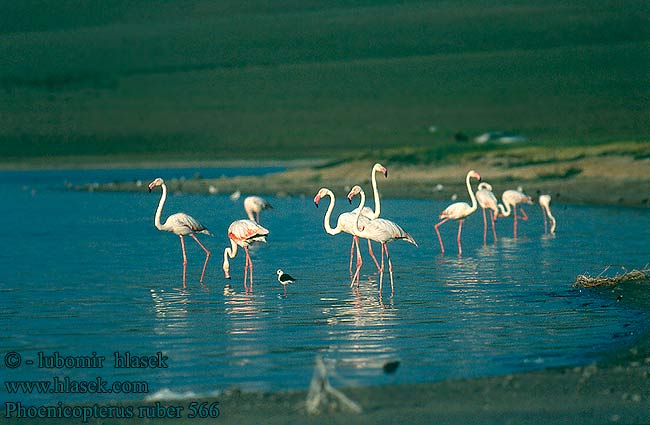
<point>487,200</point>
<point>243,233</point>
<point>254,205</point>
<point>511,198</point>
<point>459,211</point>
<point>545,203</point>
<point>344,223</point>
<point>379,230</point>
<point>180,224</point>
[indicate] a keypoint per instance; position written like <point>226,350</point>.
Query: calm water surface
<point>88,272</point>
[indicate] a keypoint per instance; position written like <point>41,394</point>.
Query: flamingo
<point>487,200</point>
<point>368,212</point>
<point>379,230</point>
<point>180,224</point>
<point>344,223</point>
<point>254,205</point>
<point>459,211</point>
<point>545,203</point>
<point>243,233</point>
<point>511,198</point>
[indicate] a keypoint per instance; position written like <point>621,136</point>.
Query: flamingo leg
<point>485,227</point>
<point>515,225</point>
<point>442,247</point>
<point>381,273</point>
<point>545,220</point>
<point>524,216</point>
<point>184,259</point>
<point>250,266</point>
<point>352,253</point>
<point>359,263</point>
<point>460,228</point>
<point>246,269</point>
<point>207,255</point>
<point>494,231</point>
<point>372,254</point>
<point>390,269</point>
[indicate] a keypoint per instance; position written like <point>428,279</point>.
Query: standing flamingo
<point>344,223</point>
<point>368,212</point>
<point>243,233</point>
<point>487,200</point>
<point>459,211</point>
<point>180,224</point>
<point>254,205</point>
<point>511,198</point>
<point>545,203</point>
<point>379,230</point>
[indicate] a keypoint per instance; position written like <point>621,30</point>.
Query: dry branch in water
<point>322,396</point>
<point>586,281</point>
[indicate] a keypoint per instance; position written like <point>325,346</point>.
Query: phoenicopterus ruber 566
<point>512,198</point>
<point>182,225</point>
<point>344,223</point>
<point>379,230</point>
<point>254,205</point>
<point>545,203</point>
<point>487,200</point>
<point>459,211</point>
<point>243,233</point>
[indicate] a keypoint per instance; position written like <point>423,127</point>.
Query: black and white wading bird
<point>284,279</point>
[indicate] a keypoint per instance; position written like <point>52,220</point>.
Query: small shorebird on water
<point>284,279</point>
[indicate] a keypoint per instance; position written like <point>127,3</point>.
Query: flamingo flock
<point>362,222</point>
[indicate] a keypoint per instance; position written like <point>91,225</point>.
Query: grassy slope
<point>203,79</point>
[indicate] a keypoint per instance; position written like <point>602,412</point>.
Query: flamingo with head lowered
<point>512,198</point>
<point>344,223</point>
<point>487,200</point>
<point>545,203</point>
<point>379,230</point>
<point>243,233</point>
<point>180,224</point>
<point>254,205</point>
<point>459,211</point>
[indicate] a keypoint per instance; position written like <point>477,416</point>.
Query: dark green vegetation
<point>208,79</point>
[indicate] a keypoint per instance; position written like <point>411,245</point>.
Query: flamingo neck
<point>358,213</point>
<point>375,192</point>
<point>550,217</point>
<point>471,193</point>
<point>156,219</point>
<point>505,211</point>
<point>229,252</point>
<point>328,214</point>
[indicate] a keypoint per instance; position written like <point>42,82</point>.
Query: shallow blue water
<point>88,272</point>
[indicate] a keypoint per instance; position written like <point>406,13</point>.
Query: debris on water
<point>323,397</point>
<point>391,367</point>
<point>635,275</point>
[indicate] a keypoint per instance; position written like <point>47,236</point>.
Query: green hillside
<point>200,79</point>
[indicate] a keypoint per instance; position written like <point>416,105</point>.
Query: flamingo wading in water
<point>512,198</point>
<point>379,230</point>
<point>487,200</point>
<point>254,205</point>
<point>371,214</point>
<point>180,224</point>
<point>344,223</point>
<point>243,233</point>
<point>545,203</point>
<point>459,211</point>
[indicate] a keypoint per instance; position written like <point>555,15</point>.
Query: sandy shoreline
<point>615,174</point>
